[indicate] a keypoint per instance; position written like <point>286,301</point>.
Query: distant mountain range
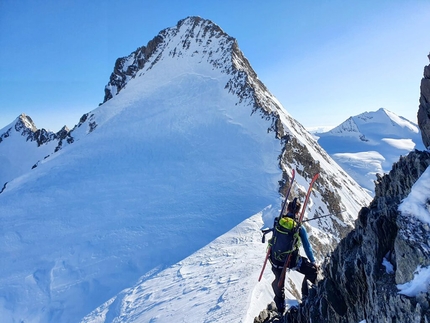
<point>369,144</point>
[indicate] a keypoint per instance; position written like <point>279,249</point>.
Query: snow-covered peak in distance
<point>190,144</point>
<point>23,146</point>
<point>370,143</point>
<point>378,123</point>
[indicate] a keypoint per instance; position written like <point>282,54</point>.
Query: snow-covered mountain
<point>188,144</point>
<point>22,146</point>
<point>369,144</point>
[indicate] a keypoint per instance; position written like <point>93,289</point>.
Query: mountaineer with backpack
<point>288,233</point>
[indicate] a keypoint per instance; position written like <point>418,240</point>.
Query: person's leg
<point>278,290</point>
<point>310,272</point>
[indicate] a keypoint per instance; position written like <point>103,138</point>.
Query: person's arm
<point>306,244</point>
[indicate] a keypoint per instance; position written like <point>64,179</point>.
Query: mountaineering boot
<point>291,315</point>
<point>280,304</point>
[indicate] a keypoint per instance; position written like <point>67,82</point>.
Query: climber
<point>287,235</point>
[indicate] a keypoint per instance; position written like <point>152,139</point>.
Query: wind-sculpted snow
<point>215,282</point>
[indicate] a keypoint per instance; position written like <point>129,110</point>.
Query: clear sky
<point>324,60</point>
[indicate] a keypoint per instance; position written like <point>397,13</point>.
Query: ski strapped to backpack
<point>299,222</point>
<point>293,174</point>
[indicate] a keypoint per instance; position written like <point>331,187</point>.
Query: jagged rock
<point>356,286</point>
<point>26,127</point>
<point>269,315</point>
<point>424,108</point>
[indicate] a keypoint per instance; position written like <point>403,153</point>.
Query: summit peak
<point>192,36</point>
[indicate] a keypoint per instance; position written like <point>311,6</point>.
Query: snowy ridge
<point>215,282</point>
<point>369,144</point>
<point>349,127</point>
<point>190,145</point>
<point>199,43</point>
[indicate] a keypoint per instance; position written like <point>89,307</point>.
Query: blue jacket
<point>306,245</point>
<point>305,241</point>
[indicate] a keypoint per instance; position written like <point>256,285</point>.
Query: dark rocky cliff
<point>356,285</point>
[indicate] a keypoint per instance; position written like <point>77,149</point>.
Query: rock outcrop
<point>424,109</point>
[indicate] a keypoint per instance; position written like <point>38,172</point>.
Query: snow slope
<point>173,161</point>
<point>125,200</point>
<point>369,143</point>
<point>218,281</point>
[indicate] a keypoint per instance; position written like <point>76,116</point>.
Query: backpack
<point>285,240</point>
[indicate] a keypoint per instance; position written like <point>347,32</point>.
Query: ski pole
<point>323,216</point>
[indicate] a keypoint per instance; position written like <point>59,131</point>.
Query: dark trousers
<point>310,272</point>
<point>278,290</point>
<point>306,268</point>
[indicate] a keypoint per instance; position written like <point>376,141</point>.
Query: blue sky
<point>324,60</point>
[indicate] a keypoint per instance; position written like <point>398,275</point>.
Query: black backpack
<point>285,240</point>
